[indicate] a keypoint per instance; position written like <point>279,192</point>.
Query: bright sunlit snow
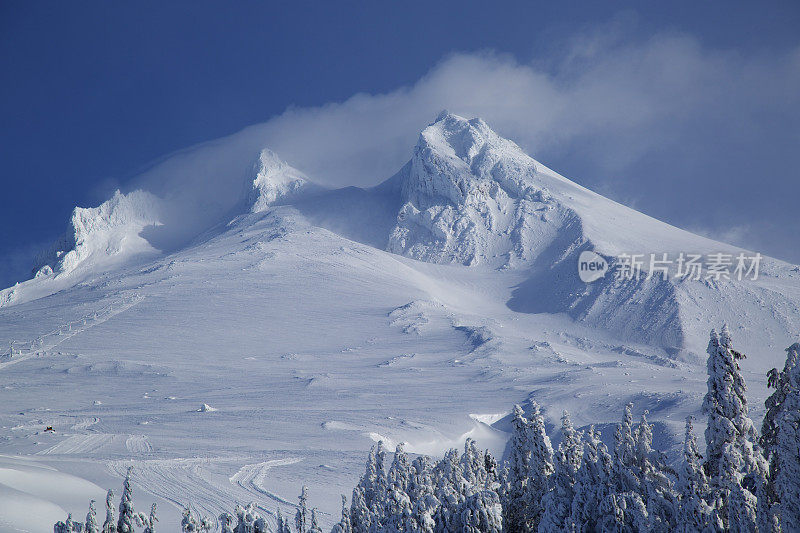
<point>298,325</point>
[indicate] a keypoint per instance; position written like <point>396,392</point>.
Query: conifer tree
<point>624,472</point>
<point>127,515</point>
<point>557,514</point>
<point>529,467</point>
<point>314,523</point>
<point>150,523</point>
<point>400,471</point>
<point>422,493</point>
<point>733,461</point>
<point>301,517</point>
<point>449,490</point>
<point>591,483</point>
<point>655,487</point>
<point>110,524</point>
<point>343,526</point>
<point>399,513</point>
<point>360,519</point>
<point>91,525</point>
<point>226,522</point>
<point>783,438</point>
<point>373,485</point>
<point>480,513</point>
<point>189,522</point>
<point>283,523</point>
<point>694,512</point>
<point>624,506</point>
<point>781,442</point>
<point>473,464</point>
<point>420,481</point>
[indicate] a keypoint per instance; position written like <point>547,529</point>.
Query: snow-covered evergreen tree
<point>781,381</point>
<point>69,526</point>
<point>557,502</point>
<point>655,483</point>
<point>314,528</point>
<point>591,483</point>
<point>422,493</point>
<point>782,438</point>
<point>360,519</point>
<point>91,525</point>
<point>127,515</point>
<point>343,526</point>
<point>473,465</point>
<point>248,519</point>
<point>150,521</point>
<point>540,467</point>
<point>110,524</point>
<point>694,512</point>
<point>399,512</point>
<point>282,523</point>
<point>400,471</point>
<point>530,464</point>
<point>189,522</point>
<point>301,518</point>
<point>733,461</point>
<point>450,490</point>
<point>739,511</point>
<point>226,522</point>
<point>373,491</point>
<point>624,506</point>
<point>624,472</point>
<point>480,513</point>
<point>787,479</point>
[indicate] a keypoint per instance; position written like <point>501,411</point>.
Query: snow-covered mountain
<point>314,321</point>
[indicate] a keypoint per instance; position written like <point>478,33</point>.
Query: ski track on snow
<point>251,477</point>
<point>138,444</point>
<point>79,444</point>
<point>22,351</point>
<point>190,480</point>
<point>86,423</point>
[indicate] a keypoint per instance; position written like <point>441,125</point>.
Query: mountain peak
<point>457,136</point>
<point>470,196</point>
<point>275,181</point>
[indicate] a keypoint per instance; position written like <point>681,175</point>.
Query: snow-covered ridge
<point>98,238</point>
<point>111,229</point>
<point>468,197</point>
<point>472,197</point>
<point>139,223</point>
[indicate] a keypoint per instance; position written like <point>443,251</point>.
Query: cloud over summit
<point>665,124</point>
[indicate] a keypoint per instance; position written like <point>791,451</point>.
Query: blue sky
<point>688,111</point>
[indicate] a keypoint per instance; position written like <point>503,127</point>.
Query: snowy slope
<point>468,196</point>
<point>314,322</point>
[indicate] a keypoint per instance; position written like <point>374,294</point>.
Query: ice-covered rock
<point>471,197</point>
<point>97,234</point>
<point>275,182</point>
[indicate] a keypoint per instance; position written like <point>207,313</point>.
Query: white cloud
<point>602,107</point>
